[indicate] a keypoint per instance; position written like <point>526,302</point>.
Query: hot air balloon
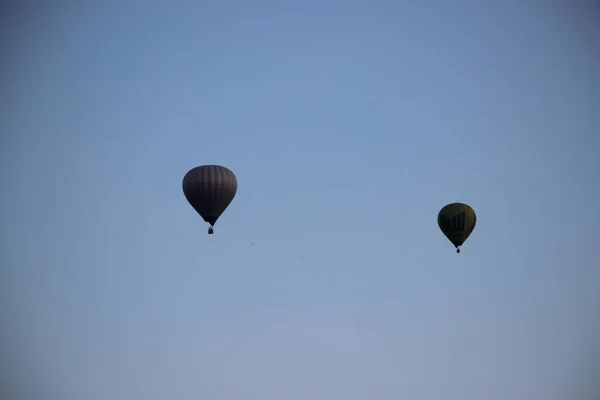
<point>209,189</point>
<point>457,221</point>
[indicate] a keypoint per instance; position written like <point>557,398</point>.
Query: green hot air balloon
<point>457,221</point>
<point>209,189</point>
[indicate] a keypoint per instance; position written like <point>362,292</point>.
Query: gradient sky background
<point>349,125</point>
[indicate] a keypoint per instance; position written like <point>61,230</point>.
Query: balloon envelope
<point>457,222</point>
<point>209,189</point>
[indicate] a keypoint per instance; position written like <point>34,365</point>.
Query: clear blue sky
<point>349,125</point>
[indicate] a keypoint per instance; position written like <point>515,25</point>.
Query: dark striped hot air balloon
<point>457,221</point>
<point>209,189</point>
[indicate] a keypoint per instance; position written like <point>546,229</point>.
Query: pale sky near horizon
<point>349,125</point>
